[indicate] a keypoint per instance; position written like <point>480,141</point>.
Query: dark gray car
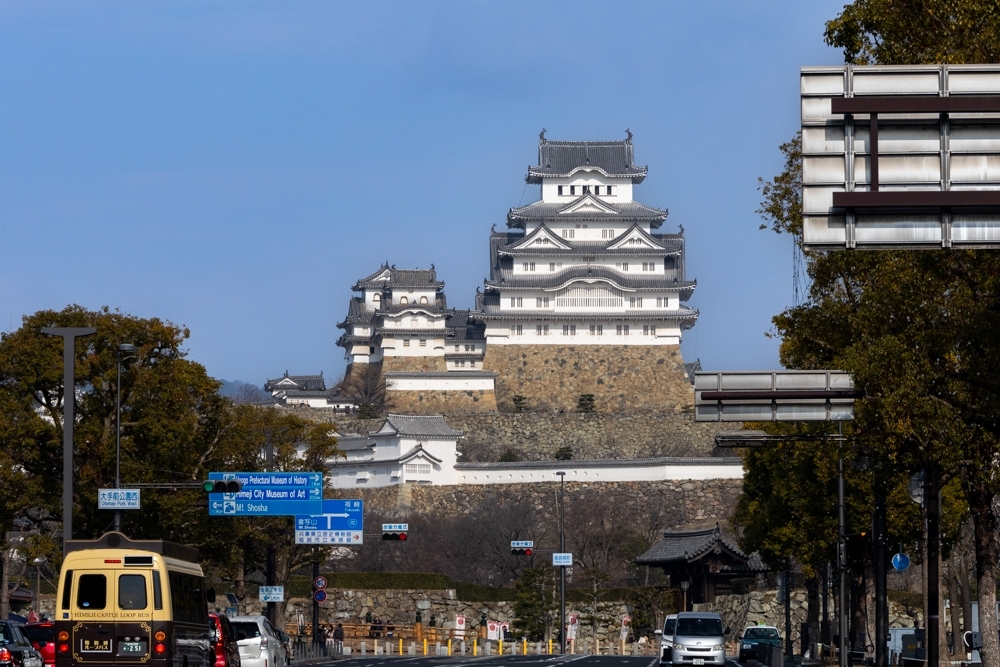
<point>15,647</point>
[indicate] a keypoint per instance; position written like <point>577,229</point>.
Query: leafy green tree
<point>536,602</point>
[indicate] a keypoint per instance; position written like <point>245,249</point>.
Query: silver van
<point>699,639</point>
<point>667,639</point>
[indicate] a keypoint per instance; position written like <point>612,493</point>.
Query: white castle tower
<point>585,264</point>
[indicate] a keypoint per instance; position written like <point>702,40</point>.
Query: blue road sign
<point>900,561</point>
<point>268,494</point>
<point>340,522</point>
<point>320,595</point>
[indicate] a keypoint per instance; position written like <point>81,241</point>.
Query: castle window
<point>403,300</point>
<point>541,329</point>
<point>569,330</point>
<point>460,364</point>
<point>635,302</point>
<point>456,348</point>
<point>572,189</point>
<point>659,302</point>
<point>528,266</point>
<point>516,302</point>
<point>469,348</point>
<point>621,329</point>
<point>376,298</point>
<point>645,329</point>
<point>423,300</point>
<point>597,189</point>
<point>560,189</point>
<point>406,342</point>
<point>596,329</point>
<point>568,233</point>
<point>413,321</point>
<point>423,342</point>
<point>552,266</point>
<point>515,330</point>
<point>623,266</point>
<point>472,363</point>
<point>586,189</point>
<point>418,468</point>
<point>542,302</point>
<point>611,190</point>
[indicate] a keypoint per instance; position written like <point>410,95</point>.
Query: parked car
<point>43,638</point>
<point>755,636</point>
<point>260,644</point>
<point>699,639</point>
<point>227,650</point>
<point>15,647</point>
<point>667,639</point>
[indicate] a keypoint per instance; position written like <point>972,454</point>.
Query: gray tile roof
<point>390,277</point>
<point>551,212</point>
<point>690,368</point>
<point>631,280</point>
<point>299,382</point>
<point>356,314</point>
<point>438,375</point>
<point>663,245</point>
<point>408,456</point>
<point>689,545</point>
<point>560,158</point>
<point>433,426</point>
<point>605,463</point>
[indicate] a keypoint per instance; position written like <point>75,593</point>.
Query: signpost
<point>339,522</point>
<point>900,561</point>
<point>319,596</point>
<point>562,560</point>
<point>269,494</point>
<point>118,499</point>
<point>272,593</point>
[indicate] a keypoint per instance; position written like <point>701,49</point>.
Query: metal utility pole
<point>932,502</point>
<point>789,649</point>
<point>315,606</point>
<point>126,348</point>
<point>824,632</point>
<point>69,335</point>
<point>881,603</point>
<point>842,563</point>
<point>562,570</point>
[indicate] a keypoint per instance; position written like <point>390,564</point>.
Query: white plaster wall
<point>585,231</point>
<point>439,384</point>
<point>393,347</point>
<point>498,333</point>
<point>550,186</point>
<point>412,296</point>
<point>616,474</point>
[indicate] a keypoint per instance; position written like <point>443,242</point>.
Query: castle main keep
<point>583,305</point>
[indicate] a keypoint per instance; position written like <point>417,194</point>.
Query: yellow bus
<point>127,603</point>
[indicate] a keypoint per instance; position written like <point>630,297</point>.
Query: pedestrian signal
<point>222,485</point>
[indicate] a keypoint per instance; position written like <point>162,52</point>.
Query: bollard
<point>449,647</point>
<point>437,648</point>
<point>597,647</point>
<point>364,650</point>
<point>425,645</point>
<point>413,648</point>
<point>500,647</point>
<point>401,646</point>
<point>475,646</point>
<point>550,647</point>
<point>463,647</point>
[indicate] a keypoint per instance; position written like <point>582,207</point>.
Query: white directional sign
<point>562,560</point>
<point>272,593</point>
<point>118,499</point>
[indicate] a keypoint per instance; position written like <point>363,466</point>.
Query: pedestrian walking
<point>321,640</point>
<point>338,640</point>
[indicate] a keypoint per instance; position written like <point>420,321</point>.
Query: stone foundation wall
<point>622,378</point>
<point>537,436</point>
<point>412,364</point>
<point>436,402</point>
<point>666,505</point>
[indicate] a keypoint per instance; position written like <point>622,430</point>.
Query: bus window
<point>67,586</point>
<point>131,591</point>
<point>157,593</point>
<point>92,591</point>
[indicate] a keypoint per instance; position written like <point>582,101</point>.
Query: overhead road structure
<point>901,156</point>
<point>739,396</point>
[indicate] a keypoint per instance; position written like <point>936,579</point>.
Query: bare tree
<point>365,387</point>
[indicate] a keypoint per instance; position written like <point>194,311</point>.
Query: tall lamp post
<point>562,570</point>
<point>38,582</point>
<point>684,593</point>
<point>124,350</point>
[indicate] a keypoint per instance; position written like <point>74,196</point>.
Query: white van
<point>699,639</point>
<point>667,639</point>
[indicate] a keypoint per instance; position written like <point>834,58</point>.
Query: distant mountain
<point>244,392</point>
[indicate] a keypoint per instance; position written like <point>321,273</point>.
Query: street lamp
<point>124,350</point>
<point>684,592</point>
<point>38,583</point>
<point>562,570</point>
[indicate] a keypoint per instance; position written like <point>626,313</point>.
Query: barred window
<point>418,468</point>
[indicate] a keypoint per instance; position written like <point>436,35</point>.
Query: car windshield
<point>40,633</point>
<point>761,633</point>
<point>668,626</point>
<point>699,627</point>
<point>248,629</point>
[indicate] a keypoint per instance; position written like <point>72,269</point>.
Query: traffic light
<point>521,547</point>
<point>222,485</point>
<point>395,536</point>
<point>395,532</point>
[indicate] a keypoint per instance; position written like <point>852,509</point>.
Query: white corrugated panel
<point>909,168</point>
<point>909,138</point>
<point>975,228</point>
<point>816,109</point>
<point>889,229</point>
<point>975,167</point>
<point>831,83</point>
<point>732,381</point>
<point>827,229</point>
<point>971,138</point>
<point>881,83</point>
<point>828,139</point>
<point>817,198</point>
<point>974,82</point>
<point>823,169</point>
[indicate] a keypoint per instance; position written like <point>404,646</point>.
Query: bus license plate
<point>130,647</point>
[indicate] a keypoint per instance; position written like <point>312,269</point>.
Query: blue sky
<point>235,166</point>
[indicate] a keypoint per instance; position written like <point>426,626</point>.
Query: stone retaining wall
<point>622,378</point>
<point>412,364</point>
<point>537,436</point>
<point>436,402</point>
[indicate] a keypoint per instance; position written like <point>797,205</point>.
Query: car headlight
<point>719,647</point>
<point>679,647</point>
<point>748,646</point>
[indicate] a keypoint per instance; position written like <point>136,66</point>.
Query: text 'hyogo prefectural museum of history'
<point>584,304</point>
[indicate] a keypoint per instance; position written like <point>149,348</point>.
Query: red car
<point>227,651</point>
<point>42,636</point>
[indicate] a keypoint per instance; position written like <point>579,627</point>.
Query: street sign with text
<point>118,499</point>
<point>562,560</point>
<point>341,522</point>
<point>268,494</point>
<point>272,593</point>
